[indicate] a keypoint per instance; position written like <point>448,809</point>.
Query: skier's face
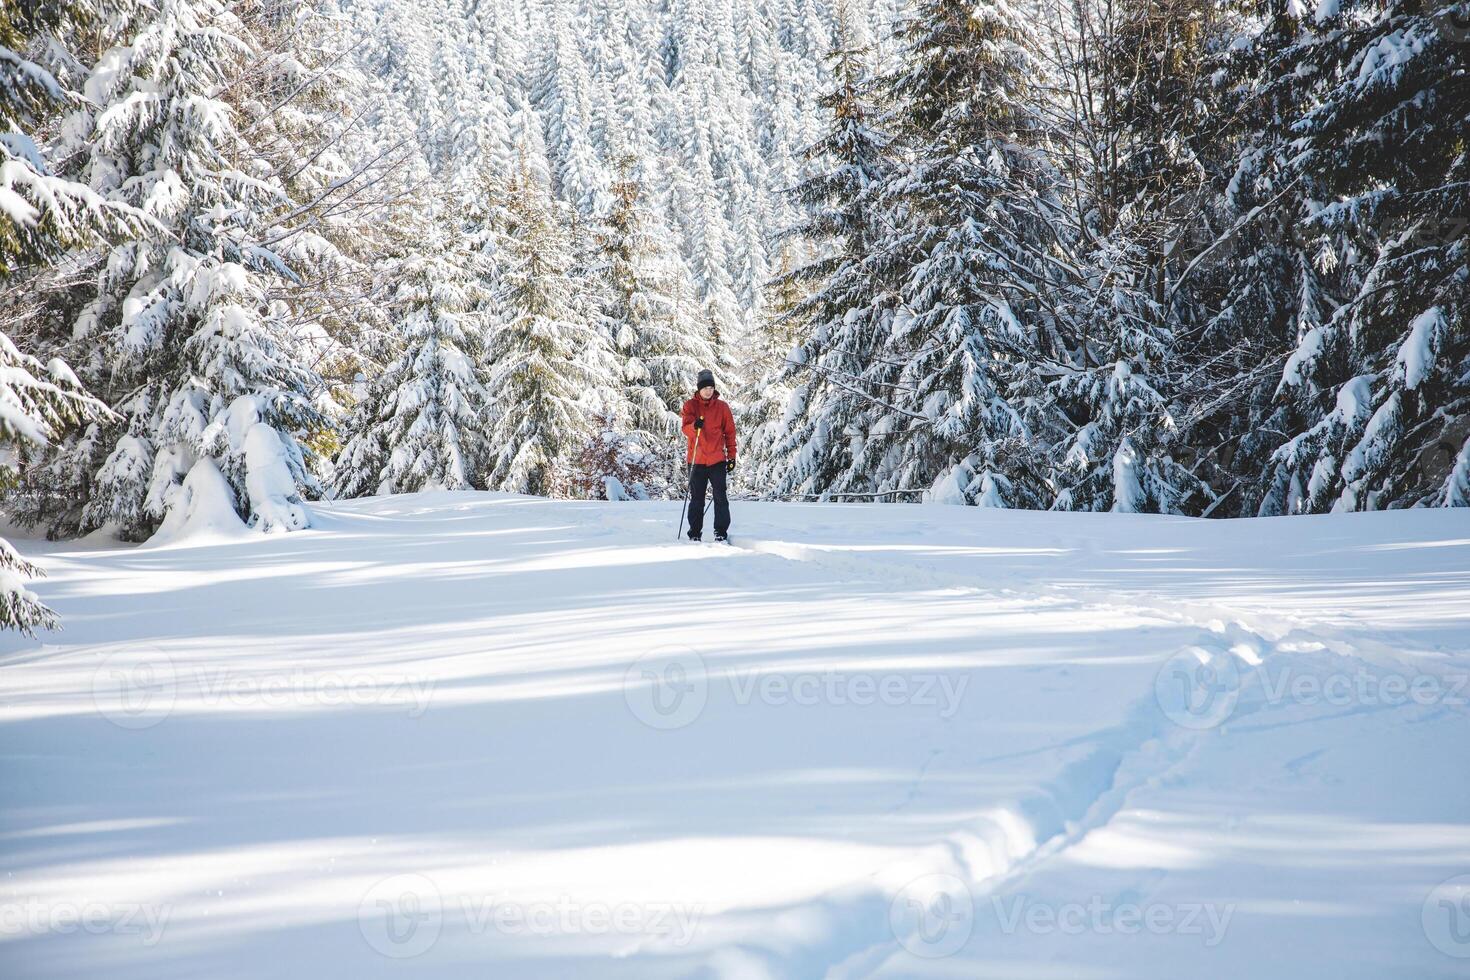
<point>707,392</point>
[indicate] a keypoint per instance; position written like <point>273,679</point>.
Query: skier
<point>710,428</point>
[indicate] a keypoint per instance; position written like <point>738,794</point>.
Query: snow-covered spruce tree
<point>1266,279</point>
<point>748,256</point>
<point>657,334</point>
<point>1118,454</point>
<point>1136,137</point>
<point>304,107</point>
<point>43,213</point>
<point>1151,131</point>
<point>713,94</point>
<point>697,201</point>
<point>37,402</point>
<point>41,216</point>
<point>538,351</point>
<point>1378,392</point>
<point>763,420</point>
<point>598,358</point>
<point>564,101</point>
<point>180,337</point>
<point>971,416</point>
<point>822,393</point>
<point>420,423</point>
<point>474,127</point>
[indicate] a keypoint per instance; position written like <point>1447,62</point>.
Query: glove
<point>699,423</point>
<point>729,466</point>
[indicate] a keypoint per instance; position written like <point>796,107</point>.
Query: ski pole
<point>685,505</point>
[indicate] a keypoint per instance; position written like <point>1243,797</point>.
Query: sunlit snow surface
<point>474,735</point>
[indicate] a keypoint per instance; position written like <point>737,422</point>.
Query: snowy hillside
<point>468,734</point>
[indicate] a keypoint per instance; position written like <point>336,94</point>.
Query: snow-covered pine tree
<point>37,402</point>
<point>598,358</point>
<point>305,104</point>
<point>1379,391</point>
<point>970,418</point>
<point>1257,285</point>
<point>181,335</point>
<point>819,396</point>
<point>1153,127</point>
<point>420,423</point>
<point>42,214</point>
<point>658,337</point>
<point>1135,136</point>
<point>768,394</point>
<point>1119,451</point>
<point>564,100</point>
<point>476,122</point>
<point>697,199</point>
<point>539,349</point>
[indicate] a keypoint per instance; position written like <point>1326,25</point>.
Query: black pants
<point>715,477</point>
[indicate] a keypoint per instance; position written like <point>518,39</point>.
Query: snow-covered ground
<point>482,735</point>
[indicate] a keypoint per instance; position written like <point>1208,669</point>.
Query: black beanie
<point>706,377</point>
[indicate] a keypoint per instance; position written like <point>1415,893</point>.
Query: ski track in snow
<point>1058,824</point>
<point>1138,753</point>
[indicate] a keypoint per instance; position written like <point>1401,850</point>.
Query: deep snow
<point>483,735</point>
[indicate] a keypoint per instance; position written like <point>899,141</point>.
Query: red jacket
<point>717,438</point>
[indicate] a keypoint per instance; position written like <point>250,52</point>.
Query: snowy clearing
<point>485,735</point>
